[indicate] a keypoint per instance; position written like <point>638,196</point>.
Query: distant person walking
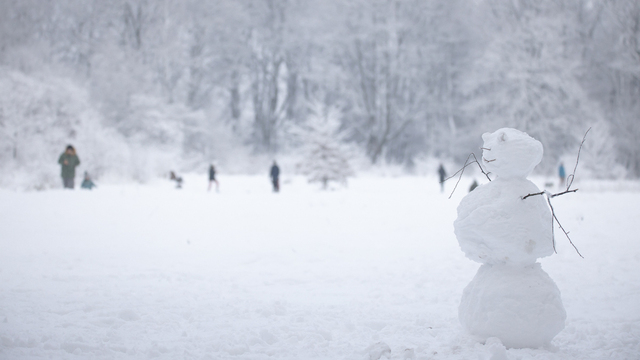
<point>275,174</point>
<point>176,178</point>
<point>212,178</point>
<point>87,183</point>
<point>443,174</point>
<point>68,162</point>
<point>562,174</point>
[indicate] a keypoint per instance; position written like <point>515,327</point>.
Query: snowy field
<point>371,271</point>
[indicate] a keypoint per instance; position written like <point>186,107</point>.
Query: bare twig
<point>571,177</point>
<point>466,163</point>
<point>461,171</point>
<point>480,166</point>
<point>549,196</point>
<point>563,192</point>
<point>554,217</point>
<point>534,194</point>
<point>553,231</point>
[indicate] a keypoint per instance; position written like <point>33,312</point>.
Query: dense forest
<point>143,85</point>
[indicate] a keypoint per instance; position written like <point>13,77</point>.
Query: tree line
<point>410,78</point>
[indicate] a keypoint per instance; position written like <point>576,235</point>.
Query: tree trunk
<point>235,99</point>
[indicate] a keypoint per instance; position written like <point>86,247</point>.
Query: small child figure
<point>473,186</point>
<point>87,183</point>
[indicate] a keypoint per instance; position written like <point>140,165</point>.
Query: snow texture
<point>510,153</point>
<point>496,226</point>
<point>519,305</point>
<point>497,351</point>
<point>150,272</point>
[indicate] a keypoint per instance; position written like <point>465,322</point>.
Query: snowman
<point>511,297</point>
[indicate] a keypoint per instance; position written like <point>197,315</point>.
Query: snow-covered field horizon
<point>365,272</point>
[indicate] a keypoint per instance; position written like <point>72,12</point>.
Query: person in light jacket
<point>87,183</point>
<point>562,174</point>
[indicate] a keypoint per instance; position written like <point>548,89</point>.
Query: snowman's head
<point>510,153</point>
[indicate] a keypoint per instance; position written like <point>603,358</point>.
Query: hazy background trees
<point>181,83</point>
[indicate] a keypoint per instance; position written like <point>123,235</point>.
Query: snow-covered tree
<point>39,116</point>
<point>326,157</point>
<point>413,77</point>
<point>617,66</point>
<point>527,79</point>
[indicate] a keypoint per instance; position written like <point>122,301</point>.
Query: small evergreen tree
<point>325,154</point>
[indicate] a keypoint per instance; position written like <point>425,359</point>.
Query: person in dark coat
<point>443,174</point>
<point>274,174</point>
<point>68,161</point>
<point>212,178</point>
<point>87,183</point>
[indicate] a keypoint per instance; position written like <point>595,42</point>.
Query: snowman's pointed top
<point>510,153</point>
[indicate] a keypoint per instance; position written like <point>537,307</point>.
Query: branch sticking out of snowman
<point>570,178</point>
<point>573,174</point>
<point>549,196</point>
<point>461,171</point>
<point>554,218</point>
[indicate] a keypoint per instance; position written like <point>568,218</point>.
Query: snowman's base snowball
<point>519,305</point>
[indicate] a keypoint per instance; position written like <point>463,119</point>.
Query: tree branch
<point>461,171</point>
<point>554,217</point>
<point>534,194</point>
<point>570,178</point>
<point>549,196</point>
<point>573,175</point>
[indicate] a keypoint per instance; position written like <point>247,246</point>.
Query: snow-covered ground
<point>370,271</point>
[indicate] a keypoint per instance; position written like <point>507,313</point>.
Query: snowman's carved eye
<point>503,137</point>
